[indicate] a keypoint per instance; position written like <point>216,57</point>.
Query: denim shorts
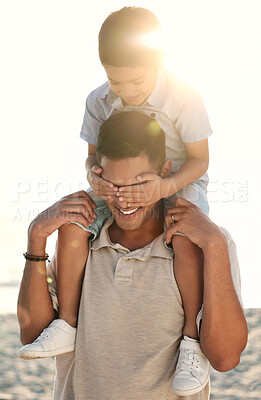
<point>196,193</point>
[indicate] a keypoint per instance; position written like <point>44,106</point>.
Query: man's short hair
<point>131,134</point>
<point>122,39</point>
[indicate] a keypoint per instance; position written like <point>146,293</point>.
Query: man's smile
<point>127,213</point>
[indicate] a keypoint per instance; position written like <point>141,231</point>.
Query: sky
<point>49,64</point>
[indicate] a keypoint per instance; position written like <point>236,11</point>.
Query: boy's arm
<point>223,334</point>
<point>195,167</point>
<point>91,160</point>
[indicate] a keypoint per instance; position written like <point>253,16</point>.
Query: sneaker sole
<point>191,392</point>
<point>30,355</point>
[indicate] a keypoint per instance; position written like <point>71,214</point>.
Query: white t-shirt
<point>177,107</point>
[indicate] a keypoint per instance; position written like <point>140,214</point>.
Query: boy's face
<point>133,84</point>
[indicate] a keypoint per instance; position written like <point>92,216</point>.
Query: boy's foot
<point>192,370</point>
<point>57,338</point>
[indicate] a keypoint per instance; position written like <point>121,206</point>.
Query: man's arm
<point>223,334</point>
<point>35,310</point>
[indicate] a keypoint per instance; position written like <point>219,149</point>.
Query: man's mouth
<point>128,214</point>
<point>125,212</point>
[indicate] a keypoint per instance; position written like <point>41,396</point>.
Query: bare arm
<point>195,167</point>
<point>35,310</point>
<point>91,160</point>
<point>223,334</point>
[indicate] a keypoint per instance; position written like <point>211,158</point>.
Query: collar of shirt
<point>156,99</point>
<point>156,248</point>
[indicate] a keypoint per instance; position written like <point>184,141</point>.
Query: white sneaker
<point>57,338</point>
<point>192,370</point>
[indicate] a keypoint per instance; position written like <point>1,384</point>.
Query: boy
<point>138,81</point>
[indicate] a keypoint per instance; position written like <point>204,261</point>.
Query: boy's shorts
<point>196,193</point>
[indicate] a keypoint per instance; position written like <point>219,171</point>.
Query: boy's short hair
<point>131,134</point>
<point>122,39</point>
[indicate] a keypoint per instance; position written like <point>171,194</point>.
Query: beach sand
<point>25,380</point>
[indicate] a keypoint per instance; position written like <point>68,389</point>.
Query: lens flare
<point>75,243</point>
<point>153,128</point>
<point>41,269</point>
<point>153,40</point>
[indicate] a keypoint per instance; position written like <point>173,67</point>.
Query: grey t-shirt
<point>129,327</point>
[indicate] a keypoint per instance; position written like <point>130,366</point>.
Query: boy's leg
<point>72,253</point>
<point>188,270</point>
<point>192,370</point>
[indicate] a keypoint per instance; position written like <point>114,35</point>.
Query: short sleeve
<point>97,110</point>
<point>235,271</point>
<point>192,122</point>
<point>91,122</point>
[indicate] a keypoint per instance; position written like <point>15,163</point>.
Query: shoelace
<point>189,361</point>
<point>43,336</point>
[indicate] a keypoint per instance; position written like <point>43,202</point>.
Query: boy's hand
<point>77,207</point>
<point>149,191</point>
<point>102,188</point>
<point>188,219</point>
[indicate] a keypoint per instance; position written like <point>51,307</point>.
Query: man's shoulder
<point>227,234</point>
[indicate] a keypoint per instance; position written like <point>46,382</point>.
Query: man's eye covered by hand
<point>145,193</point>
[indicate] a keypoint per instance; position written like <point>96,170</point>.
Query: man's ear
<point>166,169</point>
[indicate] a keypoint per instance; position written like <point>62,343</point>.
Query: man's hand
<point>187,218</point>
<point>149,191</point>
<point>77,207</point>
<point>102,188</point>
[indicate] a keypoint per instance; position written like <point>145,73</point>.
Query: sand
<point>25,380</point>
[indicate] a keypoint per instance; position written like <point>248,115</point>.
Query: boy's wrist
<point>168,187</point>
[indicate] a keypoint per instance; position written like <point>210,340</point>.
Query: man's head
<point>130,144</point>
<point>130,53</point>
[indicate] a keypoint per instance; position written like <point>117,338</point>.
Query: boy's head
<point>130,53</point>
<point>127,39</point>
<point>130,144</point>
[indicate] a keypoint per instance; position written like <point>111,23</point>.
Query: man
<point>131,316</point>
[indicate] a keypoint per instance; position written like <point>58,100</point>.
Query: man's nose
<point>121,204</point>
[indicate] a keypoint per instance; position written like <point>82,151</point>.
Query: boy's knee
<point>181,242</point>
<point>184,247</point>
<point>73,229</point>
